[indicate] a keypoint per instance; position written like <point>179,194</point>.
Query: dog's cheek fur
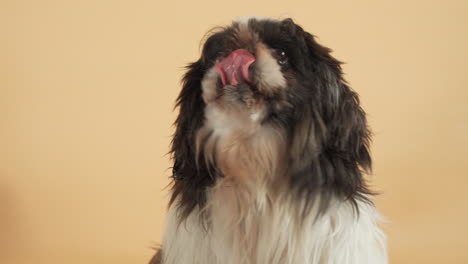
<point>328,155</point>
<point>330,138</point>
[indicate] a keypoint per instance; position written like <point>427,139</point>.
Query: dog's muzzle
<point>234,69</point>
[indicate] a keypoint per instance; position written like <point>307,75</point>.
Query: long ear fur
<point>190,180</point>
<point>330,143</point>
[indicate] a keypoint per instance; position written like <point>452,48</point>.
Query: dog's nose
<point>234,69</point>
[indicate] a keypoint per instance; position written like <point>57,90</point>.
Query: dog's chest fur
<point>247,228</point>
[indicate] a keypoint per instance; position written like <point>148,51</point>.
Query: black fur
<point>326,127</point>
<point>190,180</point>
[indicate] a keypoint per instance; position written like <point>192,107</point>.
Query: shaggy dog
<point>269,153</point>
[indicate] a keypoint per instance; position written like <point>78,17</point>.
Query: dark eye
<point>282,58</point>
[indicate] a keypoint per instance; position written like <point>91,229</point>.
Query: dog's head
<point>262,77</point>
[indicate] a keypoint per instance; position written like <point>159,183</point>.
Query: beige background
<point>87,90</point>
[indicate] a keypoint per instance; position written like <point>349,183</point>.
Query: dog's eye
<point>282,57</point>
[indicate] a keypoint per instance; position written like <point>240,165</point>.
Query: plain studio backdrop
<point>87,96</point>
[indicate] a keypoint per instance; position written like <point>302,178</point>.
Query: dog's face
<point>268,90</point>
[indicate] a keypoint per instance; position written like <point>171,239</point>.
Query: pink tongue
<point>234,69</point>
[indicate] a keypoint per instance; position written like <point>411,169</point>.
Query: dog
<point>270,151</point>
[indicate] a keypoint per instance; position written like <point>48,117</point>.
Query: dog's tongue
<point>234,69</point>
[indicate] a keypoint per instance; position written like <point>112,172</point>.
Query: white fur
<point>209,85</point>
<point>246,19</point>
<point>269,71</point>
<point>255,228</point>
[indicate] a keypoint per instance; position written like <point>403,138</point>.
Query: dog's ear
<point>330,145</point>
<point>190,177</point>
